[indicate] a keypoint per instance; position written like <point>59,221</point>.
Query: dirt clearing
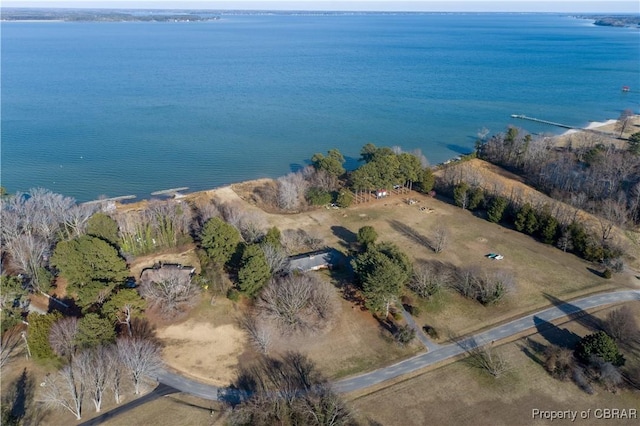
<point>203,351</point>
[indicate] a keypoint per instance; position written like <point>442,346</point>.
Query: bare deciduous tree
<point>488,359</point>
<point>28,256</point>
<point>486,288</point>
<point>298,302</point>
<point>75,219</point>
<point>291,189</point>
<point>429,277</point>
<point>65,389</point>
<point>276,258</point>
<point>141,358</point>
<point>559,361</point>
<point>297,240</point>
<point>10,345</point>
<point>260,333</point>
<point>440,238</point>
<point>62,337</point>
<point>621,324</point>
<point>170,291</point>
<point>96,367</point>
<point>116,371</point>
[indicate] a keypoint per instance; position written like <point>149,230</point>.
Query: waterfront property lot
<point>544,274</point>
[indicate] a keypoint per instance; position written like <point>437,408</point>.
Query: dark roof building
<point>313,261</point>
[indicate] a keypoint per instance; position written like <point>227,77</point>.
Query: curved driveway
<point>439,354</point>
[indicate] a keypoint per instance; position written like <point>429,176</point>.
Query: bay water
<point>91,109</point>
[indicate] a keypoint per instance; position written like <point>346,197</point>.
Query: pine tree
<point>254,270</point>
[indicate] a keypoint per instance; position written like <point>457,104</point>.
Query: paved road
<point>437,353</point>
<point>187,385</point>
<point>500,332</point>
<point>160,391</point>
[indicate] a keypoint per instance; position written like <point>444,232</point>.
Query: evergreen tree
<point>254,270</point>
<point>345,198</point>
<point>426,180</point>
<point>548,229</point>
<point>461,195</point>
<point>497,207</point>
<point>273,237</point>
<point>634,143</point>
<point>476,198</point>
<point>219,239</point>
<point>102,226</point>
<point>13,294</point>
<point>531,224</point>
<point>38,334</point>
<point>367,236</point>
<point>599,344</point>
<point>522,217</point>
<point>114,308</point>
<point>332,163</point>
<point>94,330</point>
<point>91,265</point>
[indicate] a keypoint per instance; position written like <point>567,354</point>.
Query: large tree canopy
<point>385,168</point>
<point>332,163</point>
<point>89,259</point>
<point>219,239</point>
<point>382,271</point>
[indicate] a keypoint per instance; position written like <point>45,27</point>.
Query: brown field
<point>356,343</point>
<point>461,395</point>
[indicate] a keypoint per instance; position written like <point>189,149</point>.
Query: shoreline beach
<point>593,125</point>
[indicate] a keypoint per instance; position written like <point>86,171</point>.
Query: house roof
<point>152,274</point>
<point>314,260</point>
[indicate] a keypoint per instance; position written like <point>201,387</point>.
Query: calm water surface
<point>130,108</point>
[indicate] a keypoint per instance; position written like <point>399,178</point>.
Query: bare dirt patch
<point>203,351</point>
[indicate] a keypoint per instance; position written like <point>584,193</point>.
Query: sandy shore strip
<point>592,125</point>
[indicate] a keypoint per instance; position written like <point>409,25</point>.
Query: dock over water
<point>564,126</point>
<point>173,192</point>
<point>110,200</point>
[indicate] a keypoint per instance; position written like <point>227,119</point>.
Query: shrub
<point>607,273</point>
<point>345,199</point>
<point>233,295</point>
<point>600,345</point>
<point>318,196</point>
<point>405,335</point>
<point>431,332</point>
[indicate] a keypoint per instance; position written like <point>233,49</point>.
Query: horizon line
<point>411,6</point>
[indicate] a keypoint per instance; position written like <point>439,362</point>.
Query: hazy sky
<point>603,6</point>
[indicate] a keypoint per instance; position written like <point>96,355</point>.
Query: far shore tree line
<point>48,239</point>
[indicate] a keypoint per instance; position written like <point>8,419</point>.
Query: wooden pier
<point>175,192</point>
<point>110,200</point>
<point>564,126</point>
